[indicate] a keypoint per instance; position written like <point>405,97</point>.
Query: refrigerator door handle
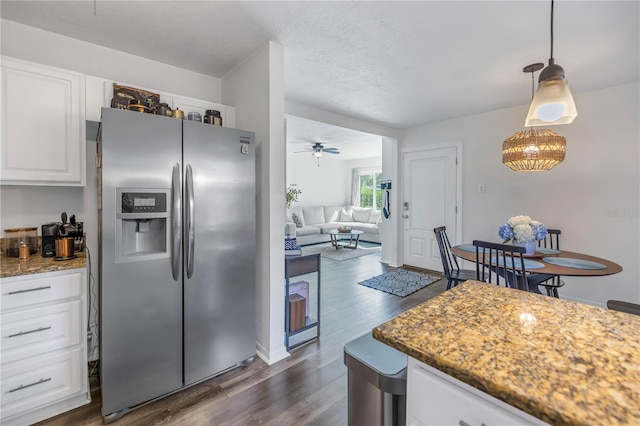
<point>190,220</point>
<point>176,219</point>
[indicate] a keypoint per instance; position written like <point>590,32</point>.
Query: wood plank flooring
<point>307,388</point>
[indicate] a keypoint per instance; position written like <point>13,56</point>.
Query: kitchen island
<point>558,361</point>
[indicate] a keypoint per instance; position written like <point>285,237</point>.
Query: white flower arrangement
<point>522,229</point>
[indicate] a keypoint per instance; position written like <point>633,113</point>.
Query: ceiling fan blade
<point>331,152</point>
<point>306,150</point>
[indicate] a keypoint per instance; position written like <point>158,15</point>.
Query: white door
<point>430,198</point>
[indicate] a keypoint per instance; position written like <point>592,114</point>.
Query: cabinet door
<point>36,331</point>
<point>433,399</point>
<point>27,290</point>
<point>43,125</point>
<point>38,381</point>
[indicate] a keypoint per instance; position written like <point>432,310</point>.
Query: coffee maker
<point>57,230</point>
<point>49,236</point>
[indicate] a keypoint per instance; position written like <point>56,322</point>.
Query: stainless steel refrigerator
<point>177,254</point>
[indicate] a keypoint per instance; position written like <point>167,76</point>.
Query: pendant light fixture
<point>553,102</point>
<point>533,150</point>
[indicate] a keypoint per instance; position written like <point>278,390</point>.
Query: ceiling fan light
<point>552,104</point>
<point>317,154</point>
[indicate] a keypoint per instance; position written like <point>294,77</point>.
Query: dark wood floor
<point>307,388</point>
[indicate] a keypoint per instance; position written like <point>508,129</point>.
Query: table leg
<point>334,241</point>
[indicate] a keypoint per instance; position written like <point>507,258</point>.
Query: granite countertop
<point>36,264</point>
<point>563,362</point>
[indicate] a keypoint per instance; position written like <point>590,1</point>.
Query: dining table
<point>553,262</point>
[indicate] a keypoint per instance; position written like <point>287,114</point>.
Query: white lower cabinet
<point>43,357</point>
<point>434,398</point>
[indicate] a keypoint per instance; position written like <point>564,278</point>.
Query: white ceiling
<point>399,64</point>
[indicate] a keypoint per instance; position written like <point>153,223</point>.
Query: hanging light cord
<point>551,29</point>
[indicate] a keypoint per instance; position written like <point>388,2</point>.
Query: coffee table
<point>354,237</point>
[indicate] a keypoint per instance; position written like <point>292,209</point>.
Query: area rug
<point>400,282</point>
<point>342,254</point>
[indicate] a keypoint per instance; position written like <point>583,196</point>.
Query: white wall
<point>593,196</point>
<point>311,113</point>
<point>256,89</point>
<point>44,47</point>
<point>326,185</point>
<point>389,235</point>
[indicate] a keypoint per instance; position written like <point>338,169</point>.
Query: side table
<point>307,267</point>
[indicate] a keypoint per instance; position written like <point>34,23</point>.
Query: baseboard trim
<point>271,357</point>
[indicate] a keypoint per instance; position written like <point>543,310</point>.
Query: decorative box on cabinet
<point>43,126</point>
<point>43,360</point>
<point>435,398</point>
<point>307,268</point>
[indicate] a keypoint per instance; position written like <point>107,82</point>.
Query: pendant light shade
<point>553,102</point>
<point>533,150</point>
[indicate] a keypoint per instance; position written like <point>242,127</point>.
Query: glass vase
<point>530,246</point>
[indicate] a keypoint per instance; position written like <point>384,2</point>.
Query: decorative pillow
<point>298,211</point>
<point>361,214</point>
<point>332,213</point>
<point>346,216</point>
<point>297,220</point>
<point>375,216</point>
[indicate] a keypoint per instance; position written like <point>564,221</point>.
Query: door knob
<point>406,216</point>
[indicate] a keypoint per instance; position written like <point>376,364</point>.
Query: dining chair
<point>495,261</point>
<point>628,307</point>
<point>550,282</point>
<point>450,267</point>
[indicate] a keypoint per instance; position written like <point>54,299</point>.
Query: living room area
<point>334,189</point>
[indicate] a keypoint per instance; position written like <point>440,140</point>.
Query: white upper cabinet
<point>43,125</point>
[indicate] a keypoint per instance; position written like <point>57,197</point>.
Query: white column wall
<point>593,196</point>
<point>256,89</point>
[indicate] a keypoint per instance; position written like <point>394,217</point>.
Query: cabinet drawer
<point>20,292</point>
<point>31,384</point>
<point>432,400</point>
<point>37,331</point>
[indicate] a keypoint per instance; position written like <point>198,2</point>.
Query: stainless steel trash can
<point>377,383</point>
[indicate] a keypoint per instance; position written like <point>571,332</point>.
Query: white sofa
<point>315,221</point>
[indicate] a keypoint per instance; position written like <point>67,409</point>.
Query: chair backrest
<point>501,264</point>
<point>449,261</point>
<point>552,240</point>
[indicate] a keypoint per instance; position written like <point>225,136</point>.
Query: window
<point>370,192</point>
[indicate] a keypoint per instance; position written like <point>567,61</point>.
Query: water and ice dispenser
<point>142,224</point>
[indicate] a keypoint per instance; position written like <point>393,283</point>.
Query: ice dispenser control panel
<point>144,202</point>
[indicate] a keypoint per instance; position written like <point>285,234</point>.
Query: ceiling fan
<point>317,149</point>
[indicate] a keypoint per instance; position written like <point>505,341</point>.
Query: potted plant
<point>292,194</point>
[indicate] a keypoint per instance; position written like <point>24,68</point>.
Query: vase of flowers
<point>523,231</point>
